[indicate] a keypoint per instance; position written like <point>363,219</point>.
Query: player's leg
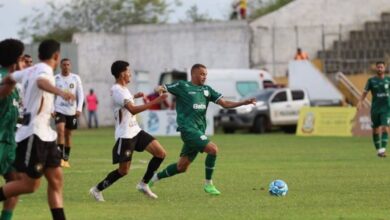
<point>383,132</point>
<point>55,181</point>
<point>60,127</point>
<point>10,203</point>
<point>211,149</point>
<point>71,124</point>
<point>384,140</point>
<point>90,119</point>
<point>122,153</point>
<point>376,130</point>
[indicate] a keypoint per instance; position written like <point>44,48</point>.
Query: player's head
<point>66,66</point>
<point>50,50</point>
<point>91,91</point>
<point>28,61</point>
<point>198,74</point>
<point>11,51</point>
<point>121,71</point>
<point>380,67</point>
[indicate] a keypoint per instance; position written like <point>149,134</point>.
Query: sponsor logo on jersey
<point>203,137</point>
<point>71,85</point>
<point>192,93</point>
<point>386,86</point>
<point>206,93</point>
<point>199,106</point>
<point>380,95</point>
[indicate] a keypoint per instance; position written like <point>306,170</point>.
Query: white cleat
<point>96,194</point>
<point>144,188</point>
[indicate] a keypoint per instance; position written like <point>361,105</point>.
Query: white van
<point>233,84</point>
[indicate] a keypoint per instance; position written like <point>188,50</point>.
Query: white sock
<point>381,150</point>
<point>209,181</point>
<point>154,178</point>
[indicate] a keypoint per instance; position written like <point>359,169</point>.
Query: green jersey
<point>191,104</point>
<point>380,94</point>
<point>8,113</point>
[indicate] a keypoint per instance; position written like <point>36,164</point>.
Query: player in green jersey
<point>11,52</point>
<point>380,107</point>
<point>192,100</point>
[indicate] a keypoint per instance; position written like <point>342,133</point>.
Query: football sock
<point>6,215</point>
<point>58,213</point>
<point>376,140</point>
<point>385,139</point>
<point>171,170</point>
<point>209,165</point>
<point>109,180</point>
<point>67,153</point>
<point>154,164</point>
<point>61,146</point>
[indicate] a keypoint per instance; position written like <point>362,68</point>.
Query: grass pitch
<point>328,178</point>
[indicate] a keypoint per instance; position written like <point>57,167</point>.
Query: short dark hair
<point>27,56</point>
<point>197,66</point>
<point>380,62</point>
<point>117,67</point>
<point>10,51</point>
<point>65,59</point>
<point>48,48</point>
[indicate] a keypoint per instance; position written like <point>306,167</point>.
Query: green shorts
<point>194,142</point>
<point>379,119</point>
<point>7,157</point>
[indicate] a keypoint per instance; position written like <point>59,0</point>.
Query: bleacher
<point>361,49</point>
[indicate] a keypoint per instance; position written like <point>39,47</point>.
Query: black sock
<point>67,153</point>
<point>58,213</point>
<point>2,196</point>
<point>61,146</point>
<point>109,180</point>
<point>154,164</point>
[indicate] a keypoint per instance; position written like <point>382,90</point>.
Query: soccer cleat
<point>382,154</point>
<point>95,193</point>
<point>65,164</point>
<point>210,189</point>
<point>144,188</point>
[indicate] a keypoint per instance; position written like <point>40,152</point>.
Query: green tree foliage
<point>259,8</point>
<point>193,15</point>
<point>60,21</point>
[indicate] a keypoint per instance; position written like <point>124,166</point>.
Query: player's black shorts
<point>34,155</point>
<point>124,147</point>
<point>69,120</point>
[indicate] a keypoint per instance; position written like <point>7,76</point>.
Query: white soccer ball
<point>278,188</point>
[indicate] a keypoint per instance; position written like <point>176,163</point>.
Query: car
<point>275,107</point>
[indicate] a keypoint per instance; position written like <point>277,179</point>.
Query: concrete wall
<point>308,24</point>
<point>155,48</point>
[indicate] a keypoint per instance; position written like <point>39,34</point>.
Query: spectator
<point>92,103</point>
<point>28,61</point>
<point>243,6</point>
<point>300,55</point>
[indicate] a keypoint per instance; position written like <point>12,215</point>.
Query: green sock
<point>170,170</point>
<point>376,140</point>
<point>6,215</point>
<point>385,139</point>
<point>210,164</point>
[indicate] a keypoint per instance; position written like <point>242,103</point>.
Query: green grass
<point>328,178</point>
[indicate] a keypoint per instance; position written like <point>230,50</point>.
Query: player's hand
<point>162,97</point>
<point>68,96</point>
<point>139,95</point>
<point>250,101</point>
<point>53,114</point>
<point>78,113</point>
<point>160,89</point>
<point>359,106</point>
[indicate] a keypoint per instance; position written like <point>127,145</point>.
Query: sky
<point>12,11</point>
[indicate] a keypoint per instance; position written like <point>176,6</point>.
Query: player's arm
<point>230,104</point>
<point>80,97</point>
<point>45,85</point>
<point>139,95</point>
<point>135,109</point>
<point>361,100</point>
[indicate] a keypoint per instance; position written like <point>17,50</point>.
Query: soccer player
<point>66,113</point>
<point>380,107</point>
<point>28,61</point>
<point>192,100</point>
<point>11,51</point>
<point>37,153</point>
<point>129,136</point>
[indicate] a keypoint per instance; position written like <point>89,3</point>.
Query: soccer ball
<point>278,188</point>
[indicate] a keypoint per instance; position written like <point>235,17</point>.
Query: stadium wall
<point>156,48</point>
<point>310,24</point>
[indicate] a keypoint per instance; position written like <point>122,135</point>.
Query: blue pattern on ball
<point>278,188</point>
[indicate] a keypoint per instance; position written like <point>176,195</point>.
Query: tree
<point>193,15</point>
<point>61,21</point>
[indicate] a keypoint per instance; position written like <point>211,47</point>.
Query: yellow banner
<point>326,121</point>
